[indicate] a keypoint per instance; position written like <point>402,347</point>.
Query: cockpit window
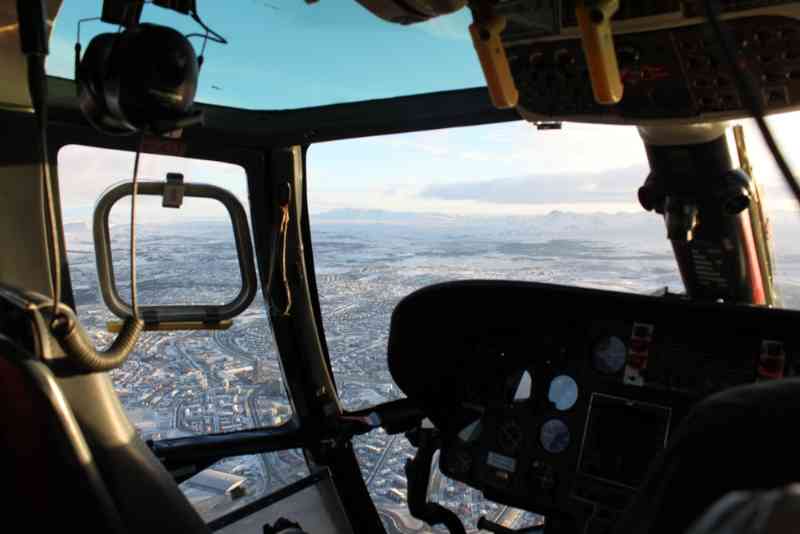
<point>393,214</point>
<point>181,383</point>
<point>284,55</point>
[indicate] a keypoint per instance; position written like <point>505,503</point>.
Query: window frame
<point>258,142</point>
<point>190,455</point>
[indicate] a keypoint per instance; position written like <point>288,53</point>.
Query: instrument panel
<point>675,73</point>
<point>557,399</point>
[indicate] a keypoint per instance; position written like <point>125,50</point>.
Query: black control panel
<point>695,8</point>
<point>557,399</point>
<point>626,11</point>
<point>673,73</point>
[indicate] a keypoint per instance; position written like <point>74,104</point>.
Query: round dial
<point>563,392</point>
<point>608,355</point>
<point>554,436</point>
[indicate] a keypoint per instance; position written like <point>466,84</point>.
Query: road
<point>380,461</point>
<point>229,346</point>
<point>371,346</point>
<point>265,461</point>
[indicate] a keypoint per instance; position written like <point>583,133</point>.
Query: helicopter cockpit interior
<point>569,410</point>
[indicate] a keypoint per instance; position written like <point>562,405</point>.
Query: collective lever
<point>418,472</point>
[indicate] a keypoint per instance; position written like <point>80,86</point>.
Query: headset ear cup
<point>143,79</point>
<point>153,78</point>
<point>92,77</point>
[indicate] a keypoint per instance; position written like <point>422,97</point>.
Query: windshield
<point>285,54</point>
<point>498,201</point>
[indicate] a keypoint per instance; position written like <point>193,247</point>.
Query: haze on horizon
<point>501,169</point>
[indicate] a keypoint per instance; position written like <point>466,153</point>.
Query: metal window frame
<point>208,313</point>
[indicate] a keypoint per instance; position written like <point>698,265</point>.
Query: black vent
<point>628,9</point>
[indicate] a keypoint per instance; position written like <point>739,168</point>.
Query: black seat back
<point>69,452</point>
<point>46,462</point>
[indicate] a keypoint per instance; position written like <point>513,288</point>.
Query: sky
<point>512,168</point>
<point>285,54</point>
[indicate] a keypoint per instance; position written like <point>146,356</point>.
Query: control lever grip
<point>418,473</point>
<point>486,32</point>
<point>594,20</point>
<point>395,417</point>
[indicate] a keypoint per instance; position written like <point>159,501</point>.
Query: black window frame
<point>271,146</point>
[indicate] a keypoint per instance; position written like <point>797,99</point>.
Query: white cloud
<point>618,186</point>
<point>84,173</point>
<point>399,201</point>
<point>416,162</point>
<point>587,167</point>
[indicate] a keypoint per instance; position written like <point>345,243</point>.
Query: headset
<point>142,79</point>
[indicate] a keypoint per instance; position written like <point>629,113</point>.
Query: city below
<point>189,383</point>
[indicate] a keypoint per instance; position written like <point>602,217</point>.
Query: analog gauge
<point>563,392</point>
<point>554,436</point>
<point>608,355</point>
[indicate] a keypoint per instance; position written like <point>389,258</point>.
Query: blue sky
<point>286,54</point>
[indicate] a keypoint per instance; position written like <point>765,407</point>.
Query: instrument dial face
<point>608,355</point>
<point>563,392</point>
<point>554,436</point>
